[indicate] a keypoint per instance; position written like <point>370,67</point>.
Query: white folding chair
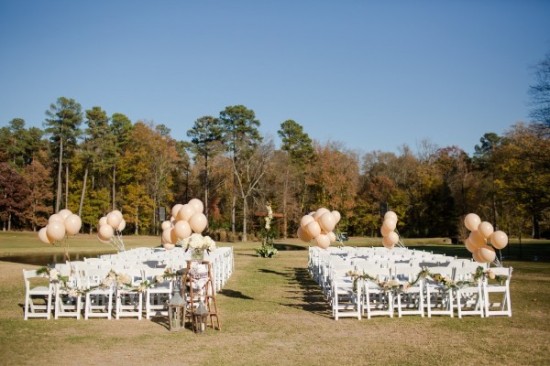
<point>345,297</point>
<point>468,294</point>
<point>496,296</point>
<point>37,288</point>
<point>439,297</point>
<point>98,301</point>
<point>410,299</point>
<point>129,301</point>
<point>158,295</point>
<point>68,298</point>
<point>377,301</point>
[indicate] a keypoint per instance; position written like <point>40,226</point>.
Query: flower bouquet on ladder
<point>198,245</point>
<point>267,250</point>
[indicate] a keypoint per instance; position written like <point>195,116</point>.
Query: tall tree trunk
<point>206,185</point>
<point>66,185</point>
<point>9,221</point>
<point>114,187</point>
<point>83,193</point>
<point>285,202</point>
<point>59,173</point>
<point>245,214</point>
<point>136,231</point>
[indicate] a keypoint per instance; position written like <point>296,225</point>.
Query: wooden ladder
<point>193,296</point>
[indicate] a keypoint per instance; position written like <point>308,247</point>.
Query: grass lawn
<point>272,313</point>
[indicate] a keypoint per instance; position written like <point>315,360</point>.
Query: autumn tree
<point>38,179</point>
<point>241,136</point>
<point>14,195</point>
<point>206,143</point>
<point>299,148</point>
<point>62,123</point>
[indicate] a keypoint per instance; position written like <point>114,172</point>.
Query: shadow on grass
<point>235,294</point>
<point>309,295</point>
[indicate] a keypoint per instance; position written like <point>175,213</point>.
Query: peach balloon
<point>487,253</point>
<point>56,218</point>
<point>103,221</point>
<point>387,243</point>
<point>313,229</point>
<point>113,219</point>
<point>384,230</point>
<point>332,236</point>
<point>390,224</point>
<point>320,212</point>
<point>197,205</point>
<point>477,239</point>
<point>390,215</point>
<point>393,237</point>
<point>105,232</point>
<point>122,225</point>
<point>198,222</point>
<point>186,212</point>
<point>472,221</point>
<point>73,223</point>
<point>102,240</point>
<point>499,239</point>
<point>173,236</point>
<point>469,246</point>
<point>336,215</point>
<point>165,225</point>
<point>55,230</point>
<point>118,213</point>
<point>175,209</point>
<point>43,236</point>
<point>303,234</point>
<point>182,229</point>
<point>486,229</point>
<point>327,222</point>
<point>166,236</point>
<point>306,219</point>
<point>476,257</point>
<point>322,241</point>
<point>65,213</point>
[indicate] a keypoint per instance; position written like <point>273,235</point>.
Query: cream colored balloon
<point>390,224</point>
<point>73,223</point>
<point>166,225</point>
<point>56,218</point>
<point>327,222</point>
<point>122,225</point>
<point>387,242</point>
<point>182,229</point>
<point>385,231</point>
<point>197,205</point>
<point>390,215</point>
<point>499,239</point>
<point>477,239</point>
<point>175,209</point>
<point>55,230</point>
<point>486,229</point>
<point>105,232</point>
<point>332,236</point>
<point>486,253</point>
<point>313,229</point>
<point>102,221</point>
<point>65,213</point>
<point>337,216</point>
<point>303,235</point>
<point>166,236</point>
<point>114,219</point>
<point>472,221</point>
<point>186,212</point>
<point>198,222</point>
<point>43,236</point>
<point>322,241</point>
<point>305,220</point>
<point>320,212</point>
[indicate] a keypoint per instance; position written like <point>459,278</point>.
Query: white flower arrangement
<point>198,242</point>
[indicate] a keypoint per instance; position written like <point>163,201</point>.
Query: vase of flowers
<point>198,245</point>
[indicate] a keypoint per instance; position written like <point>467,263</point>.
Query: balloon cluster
<point>186,219</point>
<point>389,237</point>
<point>110,228</point>
<point>59,226</point>
<point>482,233</point>
<point>319,225</point>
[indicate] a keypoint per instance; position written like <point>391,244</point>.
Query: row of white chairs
<point>87,294</point>
<point>340,273</point>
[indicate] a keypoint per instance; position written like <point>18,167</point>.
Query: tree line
<point>91,163</point>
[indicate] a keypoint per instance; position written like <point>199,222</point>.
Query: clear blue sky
<point>372,75</point>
